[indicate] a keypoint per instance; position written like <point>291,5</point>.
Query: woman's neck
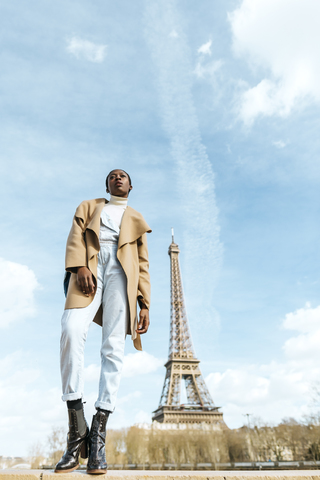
<point>119,201</point>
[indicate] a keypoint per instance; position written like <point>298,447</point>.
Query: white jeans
<point>112,293</point>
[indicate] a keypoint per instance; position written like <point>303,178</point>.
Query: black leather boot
<point>77,442</point>
<point>97,463</point>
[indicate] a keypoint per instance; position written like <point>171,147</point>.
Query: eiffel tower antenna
<point>182,364</point>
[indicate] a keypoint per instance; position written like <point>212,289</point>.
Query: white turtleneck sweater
<point>115,208</point>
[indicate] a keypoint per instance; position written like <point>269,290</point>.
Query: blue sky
<point>213,108</point>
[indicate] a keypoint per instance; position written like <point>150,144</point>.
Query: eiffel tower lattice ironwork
<point>182,365</point>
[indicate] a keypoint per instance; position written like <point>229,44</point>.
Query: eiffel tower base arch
<point>181,415</point>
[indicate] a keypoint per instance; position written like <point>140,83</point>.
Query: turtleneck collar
<point>118,201</point>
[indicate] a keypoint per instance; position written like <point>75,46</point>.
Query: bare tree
<point>116,446</point>
<point>36,455</point>
<point>56,443</point>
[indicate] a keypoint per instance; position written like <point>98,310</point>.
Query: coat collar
<point>133,225</point>
<point>94,223</point>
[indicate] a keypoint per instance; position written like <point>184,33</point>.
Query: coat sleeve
<point>76,250</point>
<point>144,276</point>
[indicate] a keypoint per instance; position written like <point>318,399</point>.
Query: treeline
<point>287,441</point>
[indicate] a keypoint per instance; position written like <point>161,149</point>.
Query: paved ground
<point>168,475</point>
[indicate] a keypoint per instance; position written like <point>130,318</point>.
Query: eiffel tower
<point>182,364</point>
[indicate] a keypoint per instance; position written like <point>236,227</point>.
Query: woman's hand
<point>144,321</point>
<point>85,281</point>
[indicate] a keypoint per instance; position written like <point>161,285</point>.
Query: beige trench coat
<point>83,248</point>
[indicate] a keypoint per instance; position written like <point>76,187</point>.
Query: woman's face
<point>118,184</point>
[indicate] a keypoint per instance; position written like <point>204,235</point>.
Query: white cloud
<point>205,49</point>
<point>143,417</point>
<point>25,408</point>
<point>306,320</point>
<point>279,144</point>
<point>84,49</point>
<point>279,36</point>
<point>17,286</point>
<point>207,69</point>
<point>275,390</point>
<point>173,34</point>
<point>92,373</point>
<point>129,397</point>
<point>304,347</point>
<point>139,363</point>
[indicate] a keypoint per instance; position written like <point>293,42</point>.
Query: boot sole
<point>67,471</point>
<point>97,471</point>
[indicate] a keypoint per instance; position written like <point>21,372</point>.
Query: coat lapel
<point>133,225</point>
<point>93,229</point>
<point>94,223</point>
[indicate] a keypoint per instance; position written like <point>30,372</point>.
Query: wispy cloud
<point>17,286</point>
<point>205,49</point>
<point>207,69</point>
<point>173,34</point>
<point>129,397</point>
<point>86,50</point>
<point>290,54</point>
<point>279,144</point>
<point>139,363</point>
<point>202,246</point>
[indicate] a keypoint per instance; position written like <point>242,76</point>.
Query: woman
<point>107,258</point>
